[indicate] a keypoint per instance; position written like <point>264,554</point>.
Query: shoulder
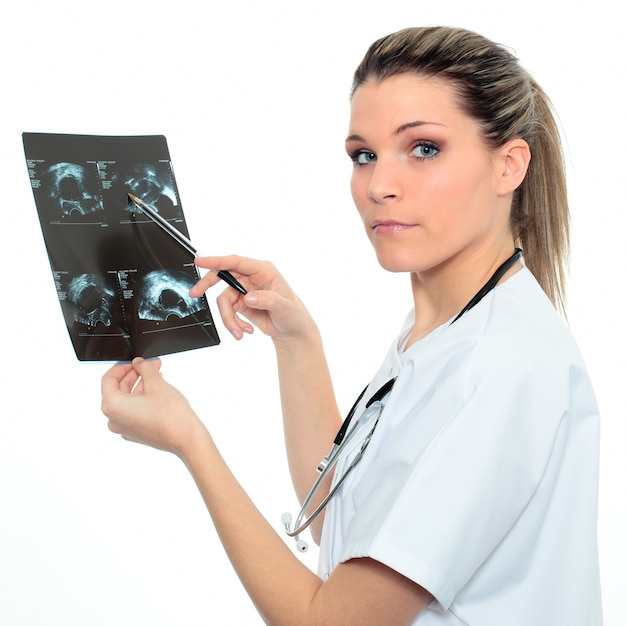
<point>519,327</point>
<point>513,347</point>
<point>524,350</point>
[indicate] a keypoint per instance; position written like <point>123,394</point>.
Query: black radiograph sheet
<point>122,281</point>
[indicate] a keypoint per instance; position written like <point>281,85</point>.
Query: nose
<point>383,184</point>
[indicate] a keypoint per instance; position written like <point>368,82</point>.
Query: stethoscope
<point>344,435</point>
<point>330,460</point>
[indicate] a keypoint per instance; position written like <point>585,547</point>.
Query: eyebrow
<point>398,130</point>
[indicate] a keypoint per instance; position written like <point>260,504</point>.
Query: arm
<point>142,407</point>
<point>310,414</point>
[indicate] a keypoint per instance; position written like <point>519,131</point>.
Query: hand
<point>270,303</point>
<point>142,407</point>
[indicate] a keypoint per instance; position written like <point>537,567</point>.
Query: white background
<point>253,98</point>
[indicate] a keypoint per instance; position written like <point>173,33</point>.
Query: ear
<point>515,158</point>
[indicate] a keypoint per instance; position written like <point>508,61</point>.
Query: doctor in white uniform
<point>473,495</point>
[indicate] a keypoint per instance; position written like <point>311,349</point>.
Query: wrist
<point>196,443</point>
<point>304,341</point>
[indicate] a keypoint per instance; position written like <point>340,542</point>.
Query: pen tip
<point>133,200</point>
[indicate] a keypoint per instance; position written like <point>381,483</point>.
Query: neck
<point>441,293</point>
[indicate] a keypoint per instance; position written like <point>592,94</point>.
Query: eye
<point>362,157</point>
<point>425,150</point>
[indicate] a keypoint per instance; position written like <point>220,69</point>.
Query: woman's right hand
<point>270,303</point>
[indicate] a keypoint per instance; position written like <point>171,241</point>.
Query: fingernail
<point>251,298</point>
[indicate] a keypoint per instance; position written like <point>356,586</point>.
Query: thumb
<point>147,369</point>
<point>263,300</point>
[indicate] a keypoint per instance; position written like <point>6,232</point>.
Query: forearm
<point>284,591</point>
<point>266,566</point>
<point>311,417</point>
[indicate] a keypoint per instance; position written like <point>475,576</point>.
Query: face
<point>425,184</point>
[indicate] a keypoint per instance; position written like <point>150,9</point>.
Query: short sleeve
<point>453,468</point>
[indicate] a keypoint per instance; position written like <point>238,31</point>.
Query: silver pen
<point>227,277</point>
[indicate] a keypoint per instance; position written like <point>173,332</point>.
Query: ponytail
<point>540,216</point>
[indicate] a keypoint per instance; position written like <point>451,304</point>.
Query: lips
<point>390,227</point>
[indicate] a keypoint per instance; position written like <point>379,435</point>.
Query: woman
<point>475,500</point>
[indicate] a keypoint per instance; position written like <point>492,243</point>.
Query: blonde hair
<point>495,90</point>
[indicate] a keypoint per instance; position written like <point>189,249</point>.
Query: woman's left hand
<point>143,407</point>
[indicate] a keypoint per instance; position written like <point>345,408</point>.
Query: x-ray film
<point>122,282</point>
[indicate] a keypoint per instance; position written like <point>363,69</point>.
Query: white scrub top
<point>480,482</point>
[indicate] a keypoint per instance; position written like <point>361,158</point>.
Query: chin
<point>394,264</point>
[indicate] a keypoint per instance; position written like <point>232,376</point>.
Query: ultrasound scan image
<point>117,300</point>
<point>150,183</point>
<point>93,299</point>
<point>72,190</point>
<point>163,295</point>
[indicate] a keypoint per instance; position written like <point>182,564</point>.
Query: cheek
<point>435,196</point>
<point>356,183</point>
<point>358,190</point>
<point>452,192</point>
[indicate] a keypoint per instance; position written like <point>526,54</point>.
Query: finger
<point>132,439</point>
<point>233,263</point>
<point>114,377</point>
<point>264,300</point>
<point>147,370</point>
<point>137,387</point>
<point>259,273</point>
<point>229,303</point>
<point>116,381</point>
<point>204,284</point>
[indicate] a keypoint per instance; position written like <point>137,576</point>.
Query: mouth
<point>390,227</point>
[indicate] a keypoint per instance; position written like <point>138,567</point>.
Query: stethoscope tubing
<point>300,525</point>
<point>343,436</point>
<point>330,460</point>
